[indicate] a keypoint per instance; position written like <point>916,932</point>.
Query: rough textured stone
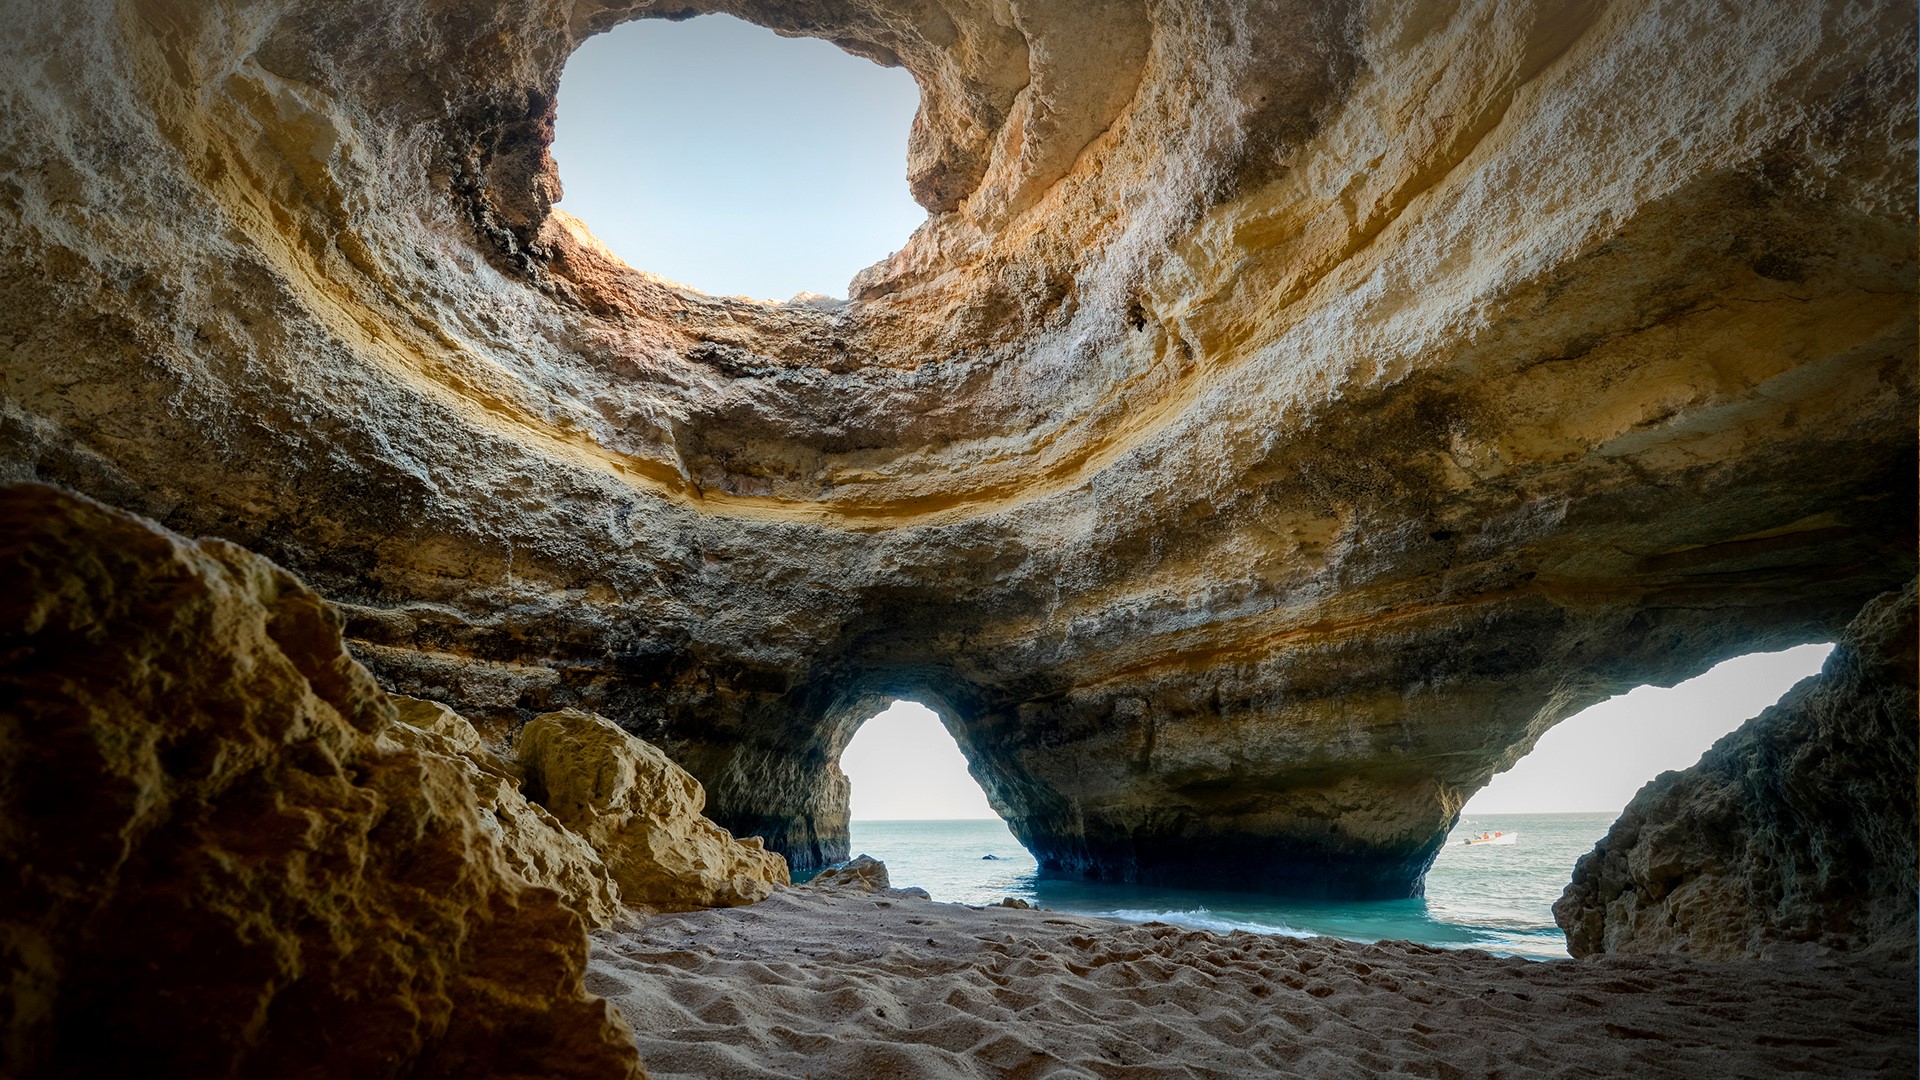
<point>1289,411</point>
<point>218,863</point>
<point>1797,828</point>
<point>538,847</point>
<point>641,813</point>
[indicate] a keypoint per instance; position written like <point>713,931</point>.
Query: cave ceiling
<point>1287,412</point>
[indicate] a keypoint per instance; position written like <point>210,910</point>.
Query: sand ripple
<point>837,985</point>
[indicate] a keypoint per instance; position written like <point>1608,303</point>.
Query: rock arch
<point>1291,410</point>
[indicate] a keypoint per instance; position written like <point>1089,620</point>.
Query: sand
<point>850,986</point>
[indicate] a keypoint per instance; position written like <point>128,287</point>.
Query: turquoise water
<point>1492,897</point>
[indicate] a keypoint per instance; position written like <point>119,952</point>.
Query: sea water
<point>1496,897</point>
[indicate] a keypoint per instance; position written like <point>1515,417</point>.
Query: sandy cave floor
<point>847,985</point>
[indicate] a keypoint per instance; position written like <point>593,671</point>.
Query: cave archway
<point>1594,760</point>
<point>905,766</point>
<point>916,805</point>
<point>1555,803</point>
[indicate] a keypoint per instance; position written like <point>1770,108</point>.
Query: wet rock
<point>641,813</point>
<point>220,859</point>
<point>1798,828</point>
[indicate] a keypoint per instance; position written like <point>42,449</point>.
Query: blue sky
<point>725,157</point>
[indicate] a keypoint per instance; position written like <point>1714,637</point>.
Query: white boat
<point>1501,837</point>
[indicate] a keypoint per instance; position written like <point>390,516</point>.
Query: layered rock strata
<point>1799,828</point>
<point>1287,413</point>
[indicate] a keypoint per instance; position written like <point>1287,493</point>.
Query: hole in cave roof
<point>720,155</point>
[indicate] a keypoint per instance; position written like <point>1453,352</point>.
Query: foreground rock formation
<point>1798,828</point>
<point>641,813</point>
<point>229,853</point>
<point>1288,411</point>
<point>217,865</point>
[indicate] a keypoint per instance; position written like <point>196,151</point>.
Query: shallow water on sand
<point>1492,897</point>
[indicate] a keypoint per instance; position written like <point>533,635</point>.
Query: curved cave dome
<point>1285,414</point>
<point>1228,483</point>
<point>715,153</point>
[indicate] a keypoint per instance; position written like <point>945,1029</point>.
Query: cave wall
<point>1287,413</point>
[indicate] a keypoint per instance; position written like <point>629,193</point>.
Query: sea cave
<point>425,635</point>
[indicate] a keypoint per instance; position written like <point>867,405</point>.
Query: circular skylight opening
<point>722,156</point>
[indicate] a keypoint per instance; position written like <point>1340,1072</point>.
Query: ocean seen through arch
<point>1555,804</point>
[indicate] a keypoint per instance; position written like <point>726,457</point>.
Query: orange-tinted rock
<point>1797,828</point>
<point>641,813</point>
<point>217,863</point>
<point>540,849</point>
<point>1291,410</point>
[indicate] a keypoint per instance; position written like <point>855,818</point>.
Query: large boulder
<point>533,842</point>
<point>860,872</point>
<point>641,813</point>
<point>218,865</point>
<point>1797,828</point>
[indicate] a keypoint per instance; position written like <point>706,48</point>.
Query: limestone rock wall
<point>217,862</point>
<point>1287,412</point>
<point>1798,828</point>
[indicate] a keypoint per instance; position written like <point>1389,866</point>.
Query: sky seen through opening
<point>904,766</point>
<point>722,156</point>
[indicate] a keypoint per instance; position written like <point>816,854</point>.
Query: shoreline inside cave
<point>1496,900</point>
<point>840,982</point>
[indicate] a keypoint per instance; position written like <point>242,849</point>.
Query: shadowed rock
<point>1797,828</point>
<point>219,860</point>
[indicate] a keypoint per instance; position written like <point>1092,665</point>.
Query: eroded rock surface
<point>1288,412</point>
<point>1797,828</point>
<point>641,813</point>
<point>219,863</point>
<point>860,872</point>
<point>538,847</point>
